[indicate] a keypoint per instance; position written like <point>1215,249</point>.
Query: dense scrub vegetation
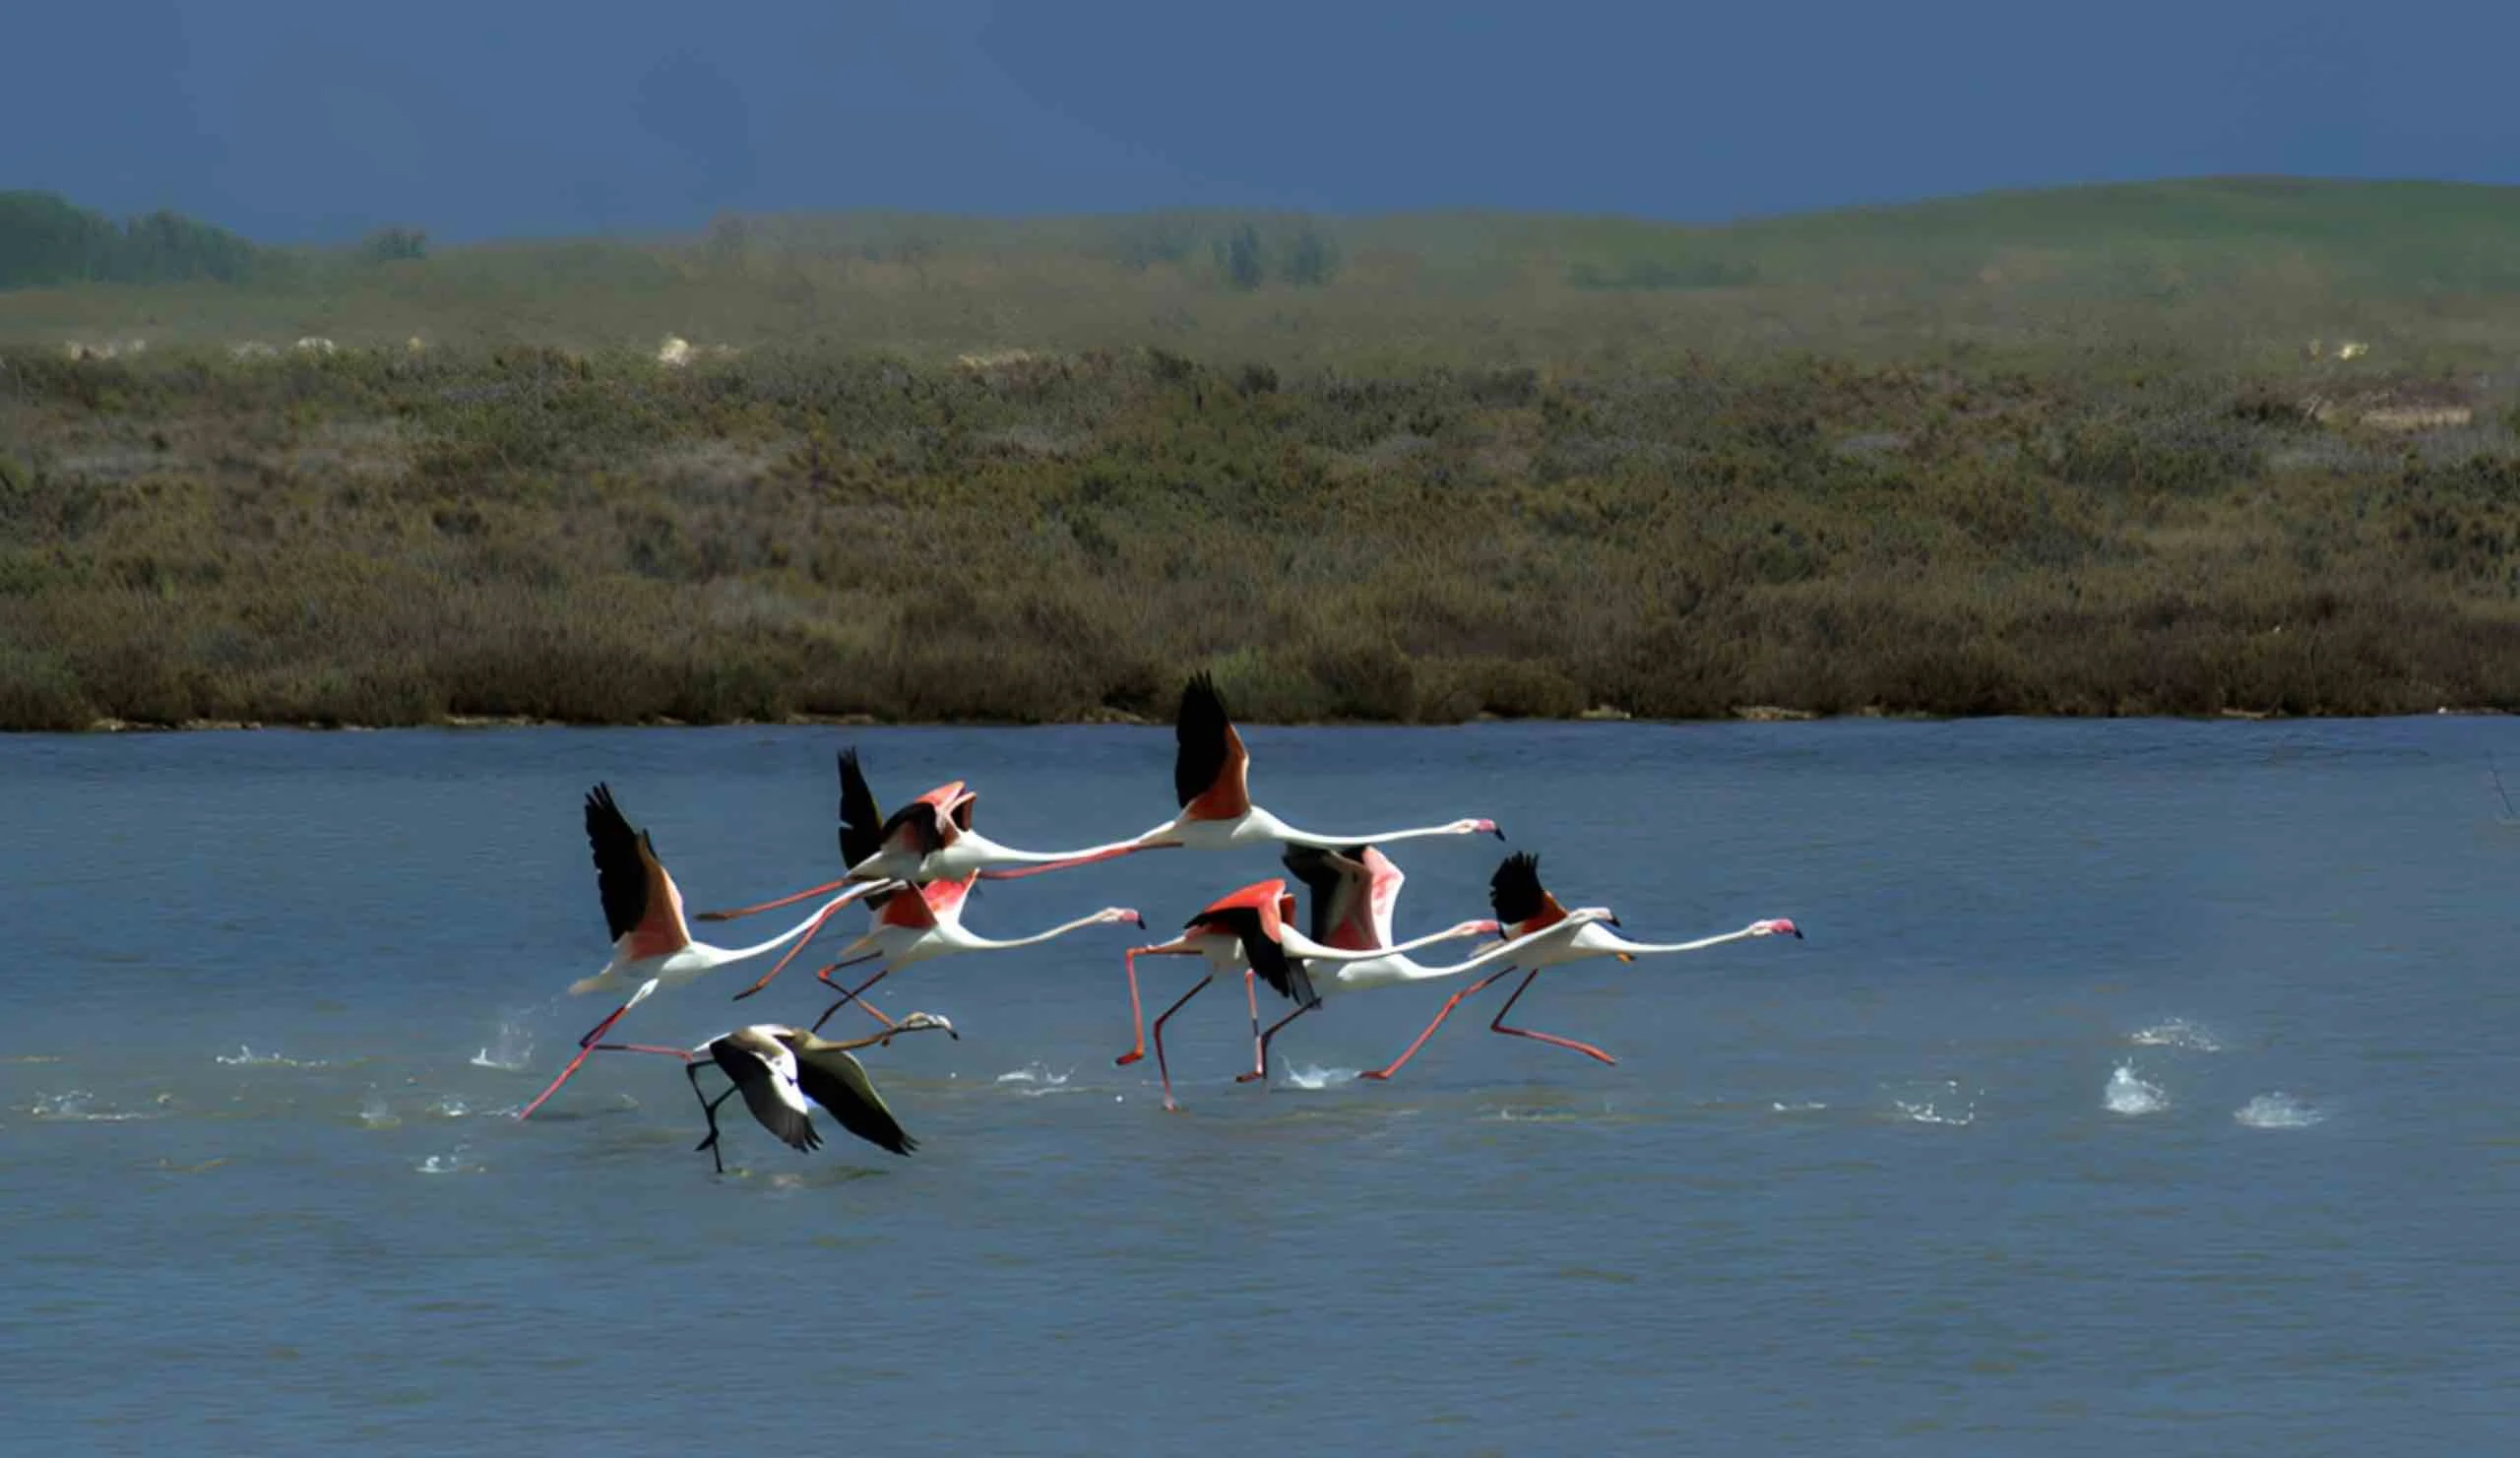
<point>397,536</point>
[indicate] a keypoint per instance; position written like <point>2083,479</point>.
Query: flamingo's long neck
<point>1564,940</point>
<point>1610,941</point>
<point>1299,945</point>
<point>979,852</point>
<point>972,944</point>
<point>722,955</point>
<point>1294,836</point>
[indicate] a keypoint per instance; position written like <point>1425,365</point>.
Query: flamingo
<point>930,839</point>
<point>1545,935</point>
<point>912,928</point>
<point>1247,930</point>
<point>784,1073</point>
<point>1354,890</point>
<point>651,946</point>
<point>1211,778</point>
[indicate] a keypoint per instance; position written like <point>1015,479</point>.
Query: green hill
<point>2231,268</point>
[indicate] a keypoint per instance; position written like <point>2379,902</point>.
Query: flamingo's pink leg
<point>1160,1068</point>
<point>1261,1069</point>
<point>771,905</point>
<point>585,1047</point>
<point>1378,1074</point>
<point>1137,1016</point>
<point>780,965</point>
<point>1499,1025</point>
<point>849,996</point>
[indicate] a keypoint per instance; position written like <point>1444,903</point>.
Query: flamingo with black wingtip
<point>1212,781</point>
<point>930,839</point>
<point>1545,935</point>
<point>651,946</point>
<point>926,922</point>
<point>1249,930</point>
<point>1354,891</point>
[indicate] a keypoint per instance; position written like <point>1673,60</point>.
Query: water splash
<point>1036,1080</point>
<point>1812,1107</point>
<point>1317,1077</point>
<point>1925,1111</point>
<point>510,1050</point>
<point>2177,1033</point>
<point>449,1106</point>
<point>2277,1111</point>
<point>375,1113</point>
<point>81,1105</point>
<point>246,1057</point>
<point>448,1164</point>
<point>2126,1093</point>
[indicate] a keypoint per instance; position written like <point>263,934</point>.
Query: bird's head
<point>1488,928</point>
<point>1776,927</point>
<point>1592,913</point>
<point>927,1021</point>
<point>1476,827</point>
<point>1120,914</point>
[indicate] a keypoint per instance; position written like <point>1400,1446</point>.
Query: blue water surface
<point>2141,1088</point>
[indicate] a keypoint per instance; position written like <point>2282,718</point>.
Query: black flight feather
<point>1198,736</point>
<point>619,875</point>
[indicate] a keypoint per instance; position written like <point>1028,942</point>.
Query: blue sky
<point>314,119</point>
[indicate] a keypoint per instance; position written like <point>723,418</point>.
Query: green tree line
<point>46,240</point>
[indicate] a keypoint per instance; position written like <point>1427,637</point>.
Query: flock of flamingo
<point>914,869</point>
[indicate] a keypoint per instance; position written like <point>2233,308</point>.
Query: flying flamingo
<point>651,946</point>
<point>1211,779</point>
<point>930,839</point>
<point>1247,930</point>
<point>1545,935</point>
<point>1354,890</point>
<point>913,929</point>
<point>784,1073</point>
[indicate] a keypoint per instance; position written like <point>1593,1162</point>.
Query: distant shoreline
<point>1752,714</point>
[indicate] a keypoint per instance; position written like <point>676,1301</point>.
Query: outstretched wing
<point>765,1071</point>
<point>620,875</point>
<point>1210,770</point>
<point>1340,882</point>
<point>861,823</point>
<point>639,897</point>
<point>1383,881</point>
<point>1518,899</point>
<point>1255,929</point>
<point>836,1081</point>
<point>928,823</point>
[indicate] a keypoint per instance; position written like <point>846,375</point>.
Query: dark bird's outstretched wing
<point>836,1081</point>
<point>765,1071</point>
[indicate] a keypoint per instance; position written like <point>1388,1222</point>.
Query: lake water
<point>2142,1088</point>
